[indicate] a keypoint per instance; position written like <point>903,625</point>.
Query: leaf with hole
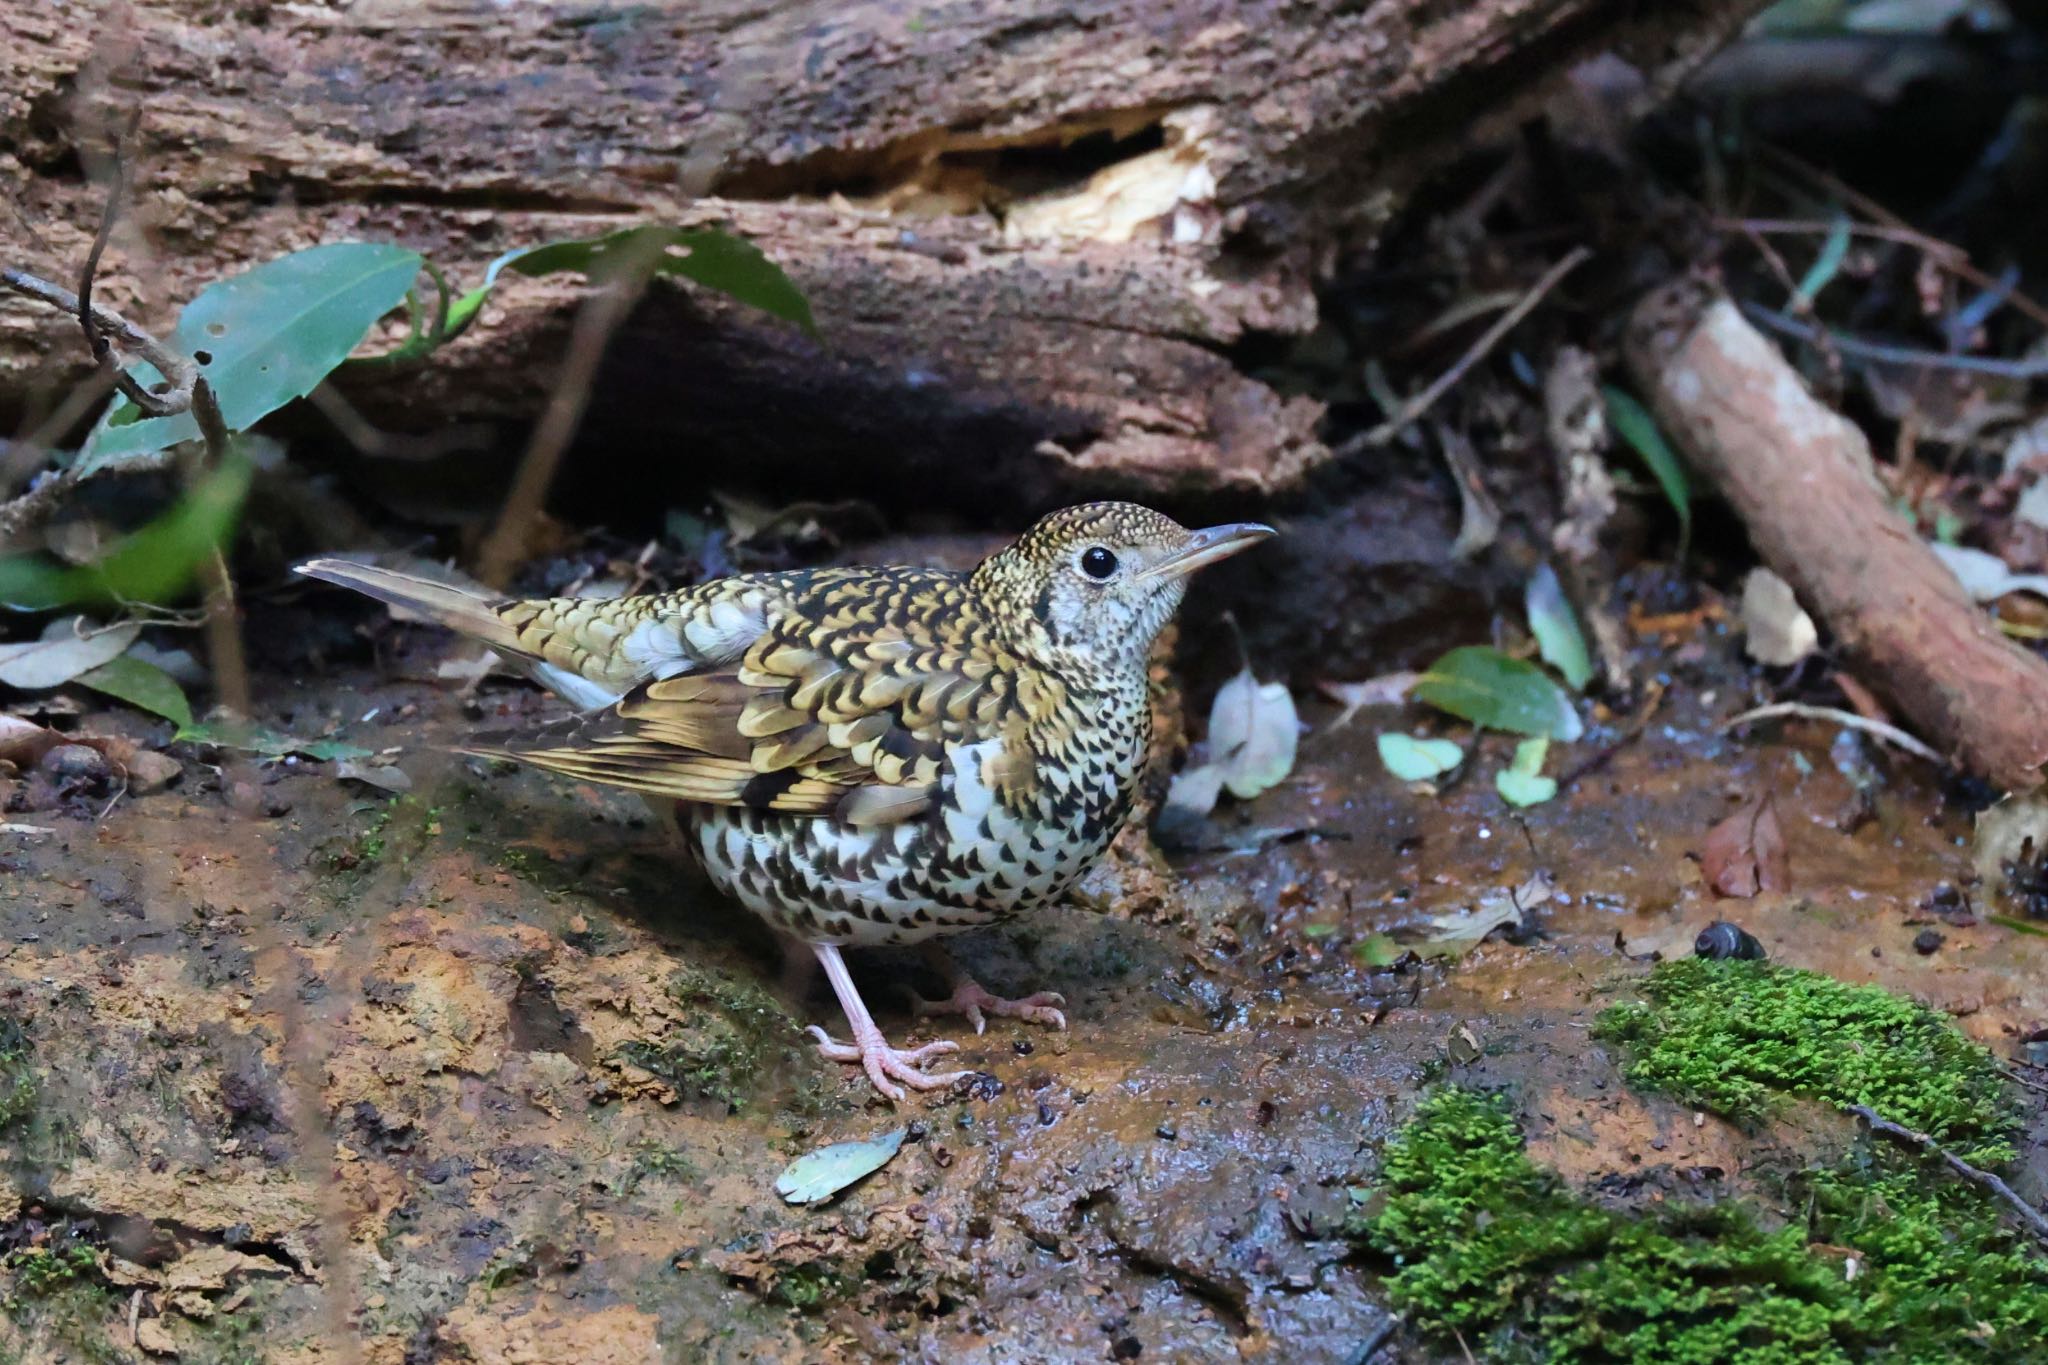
<point>263,338</point>
<point>1556,628</point>
<point>711,257</point>
<point>1480,684</point>
<point>155,564</point>
<point>1634,424</point>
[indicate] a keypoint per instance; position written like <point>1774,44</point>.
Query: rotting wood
<point>1031,232</point>
<point>1802,479</point>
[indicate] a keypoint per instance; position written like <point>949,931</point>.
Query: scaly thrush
<point>868,756</point>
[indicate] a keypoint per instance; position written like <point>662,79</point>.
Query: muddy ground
<point>484,1073</point>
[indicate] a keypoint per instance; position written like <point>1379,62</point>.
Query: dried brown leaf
<point>1745,853</point>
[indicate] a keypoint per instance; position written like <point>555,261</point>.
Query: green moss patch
<point>1890,1263</point>
<point>1732,1037</point>
<point>737,1032</point>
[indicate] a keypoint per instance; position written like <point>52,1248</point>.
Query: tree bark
<point>1032,232</point>
<point>1803,481</point>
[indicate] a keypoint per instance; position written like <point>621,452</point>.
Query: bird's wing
<point>846,702</point>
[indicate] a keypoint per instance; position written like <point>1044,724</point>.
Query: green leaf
<point>155,564</point>
<point>257,739</point>
<point>1379,950</point>
<point>1637,427</point>
<point>265,337</point>
<point>1486,687</point>
<point>816,1176</point>
<point>716,259</point>
<point>1418,760</point>
<point>143,685</point>
<point>1522,783</point>
<point>1556,628</point>
<point>1833,251</point>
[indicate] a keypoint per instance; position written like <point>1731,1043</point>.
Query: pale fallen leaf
<point>388,777</point>
<point>1745,853</point>
<point>70,645</point>
<point>1984,575</point>
<point>817,1176</point>
<point>1418,760</point>
<point>1459,931</point>
<point>1389,689</point>
<point>1194,790</point>
<point>1522,783</point>
<point>1776,629</point>
<point>1253,731</point>
<point>2032,507</point>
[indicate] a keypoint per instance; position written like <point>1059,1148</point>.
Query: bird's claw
<point>973,1000</point>
<point>885,1064</point>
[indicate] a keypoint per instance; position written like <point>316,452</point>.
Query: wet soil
<point>484,1073</point>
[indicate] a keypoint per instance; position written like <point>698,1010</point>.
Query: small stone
<point>151,772</point>
<point>1167,1131</point>
<point>1928,941</point>
<point>76,761</point>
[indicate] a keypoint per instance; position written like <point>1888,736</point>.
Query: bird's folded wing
<point>806,722</point>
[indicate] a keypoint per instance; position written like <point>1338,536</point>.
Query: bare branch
<point>178,371</point>
<point>2030,1215</point>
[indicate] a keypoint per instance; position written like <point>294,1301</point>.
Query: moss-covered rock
<point>1734,1037</point>
<point>1887,1257</point>
<point>1893,1264</point>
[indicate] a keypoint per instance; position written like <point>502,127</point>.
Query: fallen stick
<point>2030,1215</point>
<point>1801,478</point>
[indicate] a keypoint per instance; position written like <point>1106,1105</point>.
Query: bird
<point>866,757</point>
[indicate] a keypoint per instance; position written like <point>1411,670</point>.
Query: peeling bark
<point>1030,232</point>
<point>1802,479</point>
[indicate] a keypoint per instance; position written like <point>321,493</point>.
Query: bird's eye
<point>1097,562</point>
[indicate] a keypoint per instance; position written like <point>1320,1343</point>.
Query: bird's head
<point>1092,586</point>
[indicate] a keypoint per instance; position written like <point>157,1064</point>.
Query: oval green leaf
<point>1556,628</point>
<point>816,1176</point>
<point>1480,684</point>
<point>143,685</point>
<point>265,337</point>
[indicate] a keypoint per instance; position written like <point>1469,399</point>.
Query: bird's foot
<point>885,1065</point>
<point>972,999</point>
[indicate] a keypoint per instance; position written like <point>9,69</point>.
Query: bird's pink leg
<point>972,999</point>
<point>884,1064</point>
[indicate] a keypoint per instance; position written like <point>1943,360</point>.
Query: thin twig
<point>2027,1212</point>
<point>1884,353</point>
<point>217,586</point>
<point>179,371</point>
<point>1882,729</point>
<point>1952,257</point>
<point>1487,340</point>
<point>117,193</point>
<point>596,320</point>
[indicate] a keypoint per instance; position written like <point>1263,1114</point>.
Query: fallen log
<point>1802,479</point>
<point>1032,232</point>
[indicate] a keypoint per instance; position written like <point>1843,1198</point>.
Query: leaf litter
<point>1745,853</point>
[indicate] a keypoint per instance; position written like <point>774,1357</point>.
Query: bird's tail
<point>471,612</point>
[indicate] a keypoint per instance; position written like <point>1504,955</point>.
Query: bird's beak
<point>1208,545</point>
